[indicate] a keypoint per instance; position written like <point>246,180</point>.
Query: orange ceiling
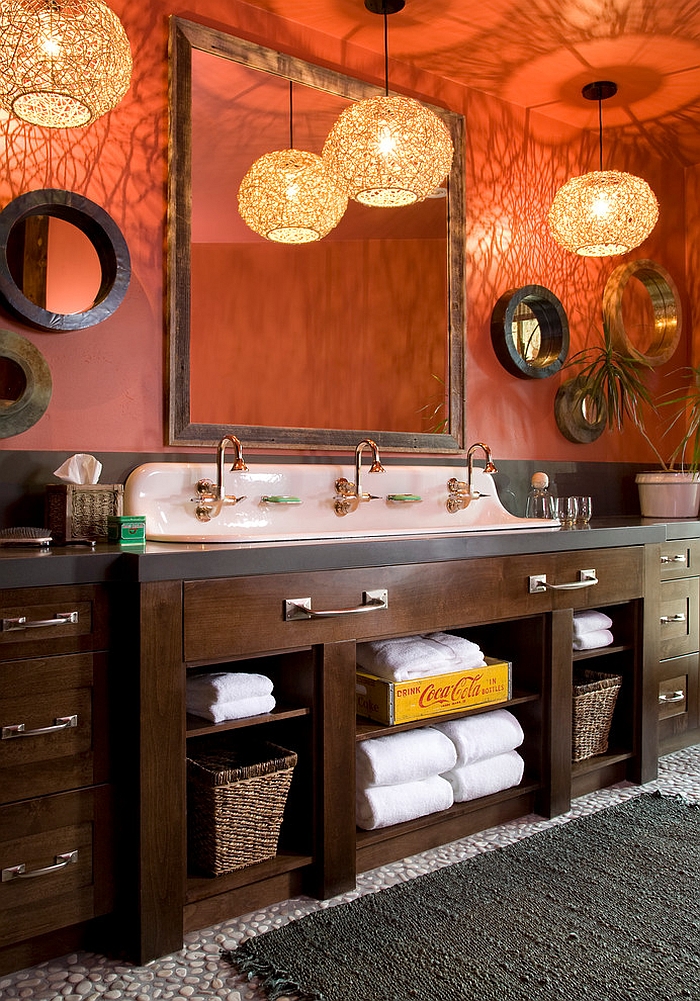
<point>539,53</point>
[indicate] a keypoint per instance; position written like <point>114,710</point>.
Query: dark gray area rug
<point>604,908</point>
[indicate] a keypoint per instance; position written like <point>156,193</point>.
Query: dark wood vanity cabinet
<point>244,622</point>
<point>56,822</point>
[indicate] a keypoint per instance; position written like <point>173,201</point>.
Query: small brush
<point>25,537</point>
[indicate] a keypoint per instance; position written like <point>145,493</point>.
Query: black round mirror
<point>91,267</point>
<point>530,332</point>
<point>25,384</point>
<point>577,415</point>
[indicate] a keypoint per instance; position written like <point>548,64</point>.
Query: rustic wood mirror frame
<point>184,37</point>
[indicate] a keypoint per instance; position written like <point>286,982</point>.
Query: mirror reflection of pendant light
<point>62,64</point>
<point>288,197</point>
<point>388,151</point>
<point>604,212</point>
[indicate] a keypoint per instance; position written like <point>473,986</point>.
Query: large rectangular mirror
<point>311,346</point>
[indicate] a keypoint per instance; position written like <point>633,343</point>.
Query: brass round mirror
<point>25,384</point>
<point>651,306</point>
<point>576,413</point>
<point>530,332</point>
<point>25,260</point>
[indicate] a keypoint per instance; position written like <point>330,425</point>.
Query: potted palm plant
<point>611,388</point>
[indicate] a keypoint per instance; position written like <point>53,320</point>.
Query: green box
<point>127,530</point>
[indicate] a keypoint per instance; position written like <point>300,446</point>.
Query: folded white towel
<point>590,620</point>
<point>418,656</point>
<point>382,806</point>
<point>482,778</point>
<point>483,736</point>
<point>239,709</point>
<point>593,640</point>
<point>403,757</point>
<point>207,690</point>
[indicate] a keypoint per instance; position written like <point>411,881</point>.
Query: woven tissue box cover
<point>80,511</point>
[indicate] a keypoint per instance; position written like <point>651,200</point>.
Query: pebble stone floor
<point>197,971</point>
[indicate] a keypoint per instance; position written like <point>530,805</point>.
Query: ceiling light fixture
<point>604,212</point>
<point>388,151</point>
<point>62,64</point>
<point>287,196</point>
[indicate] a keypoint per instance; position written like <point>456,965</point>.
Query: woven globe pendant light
<point>388,151</point>
<point>62,64</point>
<point>287,197</point>
<point>604,212</point>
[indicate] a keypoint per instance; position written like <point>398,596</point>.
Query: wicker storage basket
<point>595,695</point>
<point>235,802</point>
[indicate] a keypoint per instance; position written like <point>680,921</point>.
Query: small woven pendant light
<point>604,212</point>
<point>388,151</point>
<point>62,64</point>
<point>288,197</point>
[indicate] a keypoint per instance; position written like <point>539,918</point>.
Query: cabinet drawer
<point>42,620</point>
<point>35,834</point>
<point>61,703</point>
<point>678,696</point>
<point>241,616</point>
<point>679,559</point>
<point>679,614</point>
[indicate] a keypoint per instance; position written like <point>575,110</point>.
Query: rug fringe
<point>276,983</point>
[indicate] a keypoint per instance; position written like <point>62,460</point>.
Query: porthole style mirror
<point>64,263</point>
<point>643,311</point>
<point>577,415</point>
<point>530,332</point>
<point>25,384</point>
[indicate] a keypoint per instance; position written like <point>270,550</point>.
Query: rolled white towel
<point>590,620</point>
<point>403,757</point>
<point>239,709</point>
<point>206,690</point>
<point>423,656</point>
<point>382,806</point>
<point>482,778</point>
<point>482,736</point>
<point>593,640</point>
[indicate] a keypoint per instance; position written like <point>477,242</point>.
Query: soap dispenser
<point>540,503</point>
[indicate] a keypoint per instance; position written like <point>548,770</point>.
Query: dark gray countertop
<point>172,561</point>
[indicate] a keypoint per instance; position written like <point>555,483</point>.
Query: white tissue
<point>80,468</point>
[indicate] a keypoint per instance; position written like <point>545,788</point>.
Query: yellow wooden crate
<point>404,701</point>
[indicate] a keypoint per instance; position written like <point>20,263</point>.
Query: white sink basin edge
<point>165,493</point>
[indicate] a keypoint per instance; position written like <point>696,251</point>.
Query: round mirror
<point>577,415</point>
<point>530,332</point>
<point>64,264</point>
<point>25,384</point>
<point>643,311</point>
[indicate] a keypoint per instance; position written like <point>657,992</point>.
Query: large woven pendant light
<point>288,197</point>
<point>388,151</point>
<point>604,212</point>
<point>62,64</point>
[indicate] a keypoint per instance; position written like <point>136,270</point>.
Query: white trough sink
<point>165,492</point>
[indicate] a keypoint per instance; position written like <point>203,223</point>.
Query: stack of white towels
<point>487,761</point>
<point>411,774</point>
<point>224,695</point>
<point>592,630</point>
<point>423,656</point>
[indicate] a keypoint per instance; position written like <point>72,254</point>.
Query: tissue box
<point>80,511</point>
<point>404,701</point>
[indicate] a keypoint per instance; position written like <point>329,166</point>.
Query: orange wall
<point>108,379</point>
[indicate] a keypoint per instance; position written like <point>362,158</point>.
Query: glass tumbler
<point>584,509</point>
<point>567,509</point>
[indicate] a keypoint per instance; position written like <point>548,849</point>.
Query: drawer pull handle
<point>20,871</point>
<point>586,578</point>
<point>21,622</point>
<point>680,558</point>
<point>666,697</point>
<point>300,608</point>
<point>665,619</point>
<point>59,723</point>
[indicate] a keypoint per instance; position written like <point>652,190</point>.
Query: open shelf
<point>196,726</point>
<point>201,887</point>
<point>367,728</point>
<point>602,651</point>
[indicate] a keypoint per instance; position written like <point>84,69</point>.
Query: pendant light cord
<point>600,127</point>
<point>386,56</point>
